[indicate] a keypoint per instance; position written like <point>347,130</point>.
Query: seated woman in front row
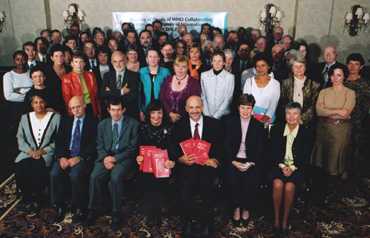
<point>154,132</point>
<point>244,141</point>
<point>36,144</point>
<point>290,144</point>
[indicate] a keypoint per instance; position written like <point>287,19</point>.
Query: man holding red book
<point>197,175</point>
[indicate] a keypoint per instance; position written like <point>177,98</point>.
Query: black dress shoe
<point>285,232</point>
<point>116,221</point>
<point>276,232</point>
<point>61,212</point>
<point>91,218</point>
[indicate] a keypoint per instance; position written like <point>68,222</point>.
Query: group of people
<point>271,115</point>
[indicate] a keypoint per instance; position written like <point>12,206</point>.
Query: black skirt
<point>296,177</point>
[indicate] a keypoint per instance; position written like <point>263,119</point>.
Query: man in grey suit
<point>117,140</point>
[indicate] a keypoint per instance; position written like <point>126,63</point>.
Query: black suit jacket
<point>318,75</point>
<point>301,146</point>
<point>88,138</point>
<point>212,132</point>
<point>130,99</point>
<point>254,141</point>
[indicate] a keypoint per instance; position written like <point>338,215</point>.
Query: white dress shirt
<point>200,126</point>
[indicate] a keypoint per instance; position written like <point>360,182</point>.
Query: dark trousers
<point>243,187</point>
<point>31,177</point>
<point>154,191</point>
<point>197,180</point>
<point>59,182</point>
<point>99,178</point>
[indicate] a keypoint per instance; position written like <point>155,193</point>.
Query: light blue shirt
<point>74,128</point>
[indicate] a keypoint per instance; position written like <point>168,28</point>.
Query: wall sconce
<point>270,17</point>
<point>356,19</point>
<point>73,15</point>
<point>2,20</point>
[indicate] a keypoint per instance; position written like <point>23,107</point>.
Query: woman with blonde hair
<point>177,88</point>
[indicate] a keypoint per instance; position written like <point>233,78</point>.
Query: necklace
<point>179,80</point>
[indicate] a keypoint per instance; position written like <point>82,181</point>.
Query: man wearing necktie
<point>117,148</point>
<point>123,83</point>
<point>75,151</point>
<point>193,178</point>
<point>330,59</point>
<point>30,49</point>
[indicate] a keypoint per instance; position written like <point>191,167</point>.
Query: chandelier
<point>356,20</point>
<point>73,15</point>
<point>2,20</point>
<point>270,17</point>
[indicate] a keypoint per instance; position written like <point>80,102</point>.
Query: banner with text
<point>171,20</point>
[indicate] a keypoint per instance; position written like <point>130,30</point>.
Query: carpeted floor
<point>346,215</point>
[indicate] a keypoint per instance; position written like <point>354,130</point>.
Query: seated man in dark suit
<point>74,152</point>
<point>117,141</point>
<point>193,178</point>
<point>122,83</point>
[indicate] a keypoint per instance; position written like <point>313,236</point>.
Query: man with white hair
<point>330,58</point>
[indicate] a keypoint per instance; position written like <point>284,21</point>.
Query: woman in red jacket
<point>81,83</point>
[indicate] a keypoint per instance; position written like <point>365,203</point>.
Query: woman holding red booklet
<point>244,140</point>
<point>154,136</point>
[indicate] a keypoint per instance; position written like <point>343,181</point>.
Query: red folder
<point>198,148</point>
<point>201,151</point>
<point>159,159</point>
<point>187,146</point>
<point>146,152</point>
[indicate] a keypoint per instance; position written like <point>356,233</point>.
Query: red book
<point>187,146</point>
<point>159,159</point>
<point>146,152</point>
<point>201,151</point>
<point>198,148</point>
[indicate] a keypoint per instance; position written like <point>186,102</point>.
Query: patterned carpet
<point>347,215</point>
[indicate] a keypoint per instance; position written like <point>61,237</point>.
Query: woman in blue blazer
<point>151,78</point>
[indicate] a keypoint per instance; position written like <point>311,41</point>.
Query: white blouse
<point>16,86</point>
<point>267,98</point>
<point>39,125</point>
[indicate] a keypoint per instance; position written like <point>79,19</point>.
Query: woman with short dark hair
<point>217,88</point>
<point>36,143</point>
<point>265,89</point>
<point>38,77</point>
<point>154,132</point>
<point>244,140</point>
<point>16,83</point>
<point>333,132</point>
